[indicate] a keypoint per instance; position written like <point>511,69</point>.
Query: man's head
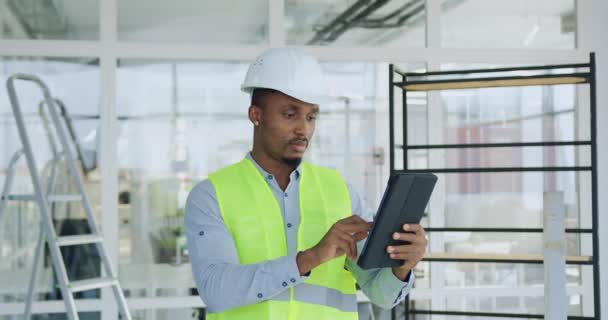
<point>283,125</point>
<point>286,87</point>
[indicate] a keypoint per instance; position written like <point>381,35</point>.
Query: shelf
<point>478,83</point>
<point>495,70</point>
<point>489,314</point>
<point>500,258</point>
<point>503,230</point>
<point>497,145</point>
<point>494,169</point>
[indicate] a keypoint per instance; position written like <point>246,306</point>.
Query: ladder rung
<point>50,198</point>
<point>79,239</point>
<point>20,197</point>
<point>64,197</point>
<point>95,283</point>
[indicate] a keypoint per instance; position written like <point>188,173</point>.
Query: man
<point>271,237</point>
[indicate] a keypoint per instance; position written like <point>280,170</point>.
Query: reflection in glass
<point>208,22</point>
<point>57,20</point>
<point>546,24</point>
<point>514,199</point>
<point>356,23</point>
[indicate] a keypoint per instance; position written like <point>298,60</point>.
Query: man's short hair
<point>259,95</point>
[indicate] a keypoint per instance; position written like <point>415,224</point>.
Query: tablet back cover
<point>404,202</point>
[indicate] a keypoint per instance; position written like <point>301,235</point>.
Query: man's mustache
<point>299,141</point>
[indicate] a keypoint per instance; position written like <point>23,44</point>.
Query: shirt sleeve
<point>223,283</point>
<point>380,285</point>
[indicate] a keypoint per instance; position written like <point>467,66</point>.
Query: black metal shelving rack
<point>399,80</point>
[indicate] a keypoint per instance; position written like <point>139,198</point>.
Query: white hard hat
<point>290,71</point>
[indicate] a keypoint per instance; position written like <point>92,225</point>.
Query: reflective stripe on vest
<point>314,294</point>
<point>253,217</point>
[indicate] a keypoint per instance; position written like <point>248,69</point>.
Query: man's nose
<point>303,127</point>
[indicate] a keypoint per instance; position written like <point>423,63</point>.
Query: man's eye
<point>289,115</point>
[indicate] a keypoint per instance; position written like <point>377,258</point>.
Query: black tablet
<point>404,201</point>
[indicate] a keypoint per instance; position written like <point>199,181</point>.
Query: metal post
<point>554,256</point>
<point>391,120</point>
<point>594,186</point>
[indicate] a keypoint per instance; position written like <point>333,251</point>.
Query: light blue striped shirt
<point>224,284</point>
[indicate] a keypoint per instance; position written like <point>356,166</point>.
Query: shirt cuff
<point>397,288</point>
<point>391,282</point>
<point>294,272</point>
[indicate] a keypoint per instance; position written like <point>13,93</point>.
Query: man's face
<point>286,127</point>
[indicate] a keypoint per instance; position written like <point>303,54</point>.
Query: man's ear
<point>255,114</point>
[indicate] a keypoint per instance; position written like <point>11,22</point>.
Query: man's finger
<point>408,248</point>
<point>361,235</point>
<point>354,227</point>
<point>351,245</point>
<point>415,228</point>
<point>352,219</point>
<point>412,238</point>
<point>403,256</point>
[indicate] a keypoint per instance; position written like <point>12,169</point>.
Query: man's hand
<point>340,239</point>
<point>412,253</point>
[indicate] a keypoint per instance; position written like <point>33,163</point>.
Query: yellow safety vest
<point>253,217</point>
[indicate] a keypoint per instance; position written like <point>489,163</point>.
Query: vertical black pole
<point>391,120</point>
<point>391,129</point>
<point>406,302</point>
<point>594,205</point>
<point>404,99</point>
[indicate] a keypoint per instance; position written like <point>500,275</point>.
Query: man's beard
<point>292,162</point>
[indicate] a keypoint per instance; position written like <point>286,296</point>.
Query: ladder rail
<point>31,285</point>
<point>67,120</point>
<point>8,183</point>
<point>37,185</point>
<point>50,188</point>
<point>72,132</point>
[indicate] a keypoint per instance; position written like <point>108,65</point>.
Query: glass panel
<point>46,19</point>
<point>75,83</point>
<point>546,24</point>
<point>209,22</point>
<point>356,23</point>
<point>510,199</point>
<point>508,115</point>
<point>507,304</point>
<point>168,314</point>
<point>500,157</point>
<point>54,316</point>
<point>505,243</point>
<point>500,287</point>
<point>513,304</point>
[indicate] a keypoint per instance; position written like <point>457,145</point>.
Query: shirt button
<point>284,284</point>
<point>286,195</point>
<point>260,295</point>
<point>269,177</point>
<point>201,233</point>
<point>288,225</point>
<point>292,280</point>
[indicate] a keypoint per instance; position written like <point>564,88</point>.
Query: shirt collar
<point>297,172</point>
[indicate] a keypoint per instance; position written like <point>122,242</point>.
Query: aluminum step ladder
<point>45,198</point>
